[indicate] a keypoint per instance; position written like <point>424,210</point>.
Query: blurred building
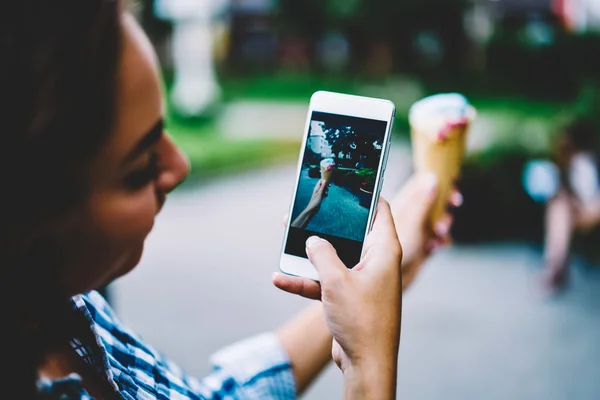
<point>317,141</point>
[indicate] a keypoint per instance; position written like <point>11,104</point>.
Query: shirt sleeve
<point>259,366</point>
<point>255,368</point>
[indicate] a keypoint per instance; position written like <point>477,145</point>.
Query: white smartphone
<point>340,173</point>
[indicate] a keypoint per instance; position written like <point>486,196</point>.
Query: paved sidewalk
<point>473,328</point>
<point>267,119</point>
<point>340,212</point>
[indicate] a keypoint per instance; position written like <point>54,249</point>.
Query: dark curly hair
<point>58,79</point>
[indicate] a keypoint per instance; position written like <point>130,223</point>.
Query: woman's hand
<point>319,193</point>
<point>411,208</point>
<point>362,306</point>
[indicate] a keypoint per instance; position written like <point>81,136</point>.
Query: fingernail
<point>441,228</point>
<point>458,199</point>
<point>312,240</point>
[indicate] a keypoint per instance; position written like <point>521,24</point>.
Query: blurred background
<point>238,76</point>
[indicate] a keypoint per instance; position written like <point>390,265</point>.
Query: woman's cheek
<point>126,217</point>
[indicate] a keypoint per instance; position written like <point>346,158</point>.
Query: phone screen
<point>342,156</point>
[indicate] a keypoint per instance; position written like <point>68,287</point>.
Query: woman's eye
<point>139,179</point>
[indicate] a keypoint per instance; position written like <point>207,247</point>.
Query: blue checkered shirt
<point>257,368</point>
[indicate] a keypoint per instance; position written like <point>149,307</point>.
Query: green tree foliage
<point>363,146</point>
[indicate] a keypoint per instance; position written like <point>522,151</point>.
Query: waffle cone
<point>326,174</point>
<point>443,158</point>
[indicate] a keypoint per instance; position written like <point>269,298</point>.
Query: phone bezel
<point>341,104</point>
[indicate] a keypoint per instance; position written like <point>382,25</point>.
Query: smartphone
<point>339,177</point>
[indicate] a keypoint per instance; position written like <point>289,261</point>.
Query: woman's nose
<point>174,165</point>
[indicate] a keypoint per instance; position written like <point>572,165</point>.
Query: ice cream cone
<point>439,134</point>
<point>327,168</point>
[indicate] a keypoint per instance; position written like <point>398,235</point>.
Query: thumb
<point>324,258</point>
<point>383,238</point>
<point>384,222</point>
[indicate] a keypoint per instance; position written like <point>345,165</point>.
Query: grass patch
<point>212,154</point>
<point>284,86</point>
<point>509,111</point>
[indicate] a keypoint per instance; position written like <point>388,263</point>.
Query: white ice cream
<point>434,114</point>
<point>327,162</point>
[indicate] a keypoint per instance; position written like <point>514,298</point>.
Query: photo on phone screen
<point>342,156</point>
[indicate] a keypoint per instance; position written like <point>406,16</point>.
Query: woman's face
<point>129,180</point>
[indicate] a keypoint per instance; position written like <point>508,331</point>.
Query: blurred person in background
<point>89,167</point>
<point>575,204</point>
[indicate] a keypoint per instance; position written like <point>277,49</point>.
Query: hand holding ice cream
<point>439,127</point>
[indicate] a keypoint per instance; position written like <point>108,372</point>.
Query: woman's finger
<point>285,219</point>
<point>446,241</point>
<point>320,185</point>
<point>295,285</point>
<point>443,226</point>
<point>432,245</point>
<point>321,189</point>
<point>437,243</point>
<point>316,188</point>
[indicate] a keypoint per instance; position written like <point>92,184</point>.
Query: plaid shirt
<point>257,368</point>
